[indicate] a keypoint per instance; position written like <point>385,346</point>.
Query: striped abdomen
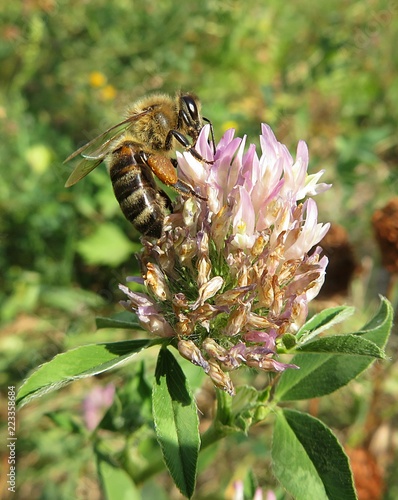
<point>141,201</point>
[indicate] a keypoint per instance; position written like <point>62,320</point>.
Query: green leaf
<point>378,329</point>
<point>69,299</point>
<point>324,372</point>
<point>348,344</point>
<point>117,323</point>
<point>107,246</point>
<point>250,485</point>
<point>116,483</point>
<point>308,460</point>
<point>322,321</point>
<point>64,420</point>
<point>176,422</point>
<point>132,404</point>
<point>320,374</point>
<point>78,363</point>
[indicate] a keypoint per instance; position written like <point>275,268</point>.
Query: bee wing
<point>95,151</point>
<point>83,168</point>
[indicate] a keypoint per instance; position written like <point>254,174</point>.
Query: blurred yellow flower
<point>108,93</point>
<point>39,158</point>
<point>229,124</point>
<point>97,79</point>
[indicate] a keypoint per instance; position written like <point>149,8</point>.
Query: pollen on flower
<point>241,227</point>
<point>232,275</point>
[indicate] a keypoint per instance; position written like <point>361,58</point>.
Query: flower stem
<point>213,434</point>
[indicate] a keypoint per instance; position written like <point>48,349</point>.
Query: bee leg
<point>167,202</point>
<point>186,144</point>
<point>185,189</point>
<point>213,142</point>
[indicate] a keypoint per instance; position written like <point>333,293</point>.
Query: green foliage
<point>331,362</point>
<point>95,252</point>
<point>123,320</point>
<point>81,362</point>
<point>307,458</point>
<point>323,321</point>
<point>116,482</point>
<point>176,422</point>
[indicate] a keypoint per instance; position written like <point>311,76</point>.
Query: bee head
<point>189,115</point>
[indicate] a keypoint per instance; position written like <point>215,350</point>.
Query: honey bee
<point>138,148</point>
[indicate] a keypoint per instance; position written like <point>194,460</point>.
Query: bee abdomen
<point>143,210</point>
<point>150,222</point>
<point>136,192</point>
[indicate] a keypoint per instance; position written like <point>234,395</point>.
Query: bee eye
<point>191,107</point>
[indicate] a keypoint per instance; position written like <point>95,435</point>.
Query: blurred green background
<point>326,73</point>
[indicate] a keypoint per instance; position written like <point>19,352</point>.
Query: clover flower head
<point>231,275</point>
